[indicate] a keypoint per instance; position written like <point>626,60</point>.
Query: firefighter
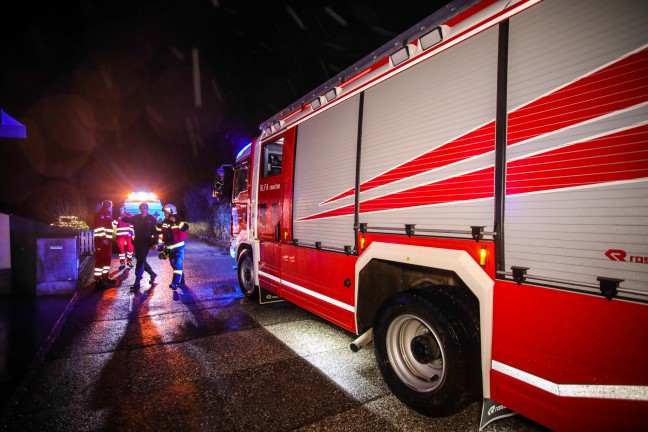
<point>103,231</point>
<point>174,233</point>
<point>125,234</point>
<point>145,238</point>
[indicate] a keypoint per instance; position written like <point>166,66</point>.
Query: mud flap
<point>266,296</point>
<point>492,411</point>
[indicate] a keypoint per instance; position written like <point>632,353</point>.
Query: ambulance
<point>134,200</point>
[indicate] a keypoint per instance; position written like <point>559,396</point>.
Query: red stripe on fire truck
<point>621,155</point>
<point>577,102</point>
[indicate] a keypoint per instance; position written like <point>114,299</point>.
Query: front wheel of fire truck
<point>245,274</point>
<point>419,347</point>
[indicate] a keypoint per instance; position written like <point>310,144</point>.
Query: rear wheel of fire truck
<point>424,354</point>
<point>245,274</point>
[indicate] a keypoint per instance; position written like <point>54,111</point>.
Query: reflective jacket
<point>103,228</point>
<point>124,229</point>
<point>173,233</point>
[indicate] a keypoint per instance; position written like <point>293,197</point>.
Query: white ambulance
<point>134,200</point>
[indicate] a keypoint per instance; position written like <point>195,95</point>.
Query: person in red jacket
<point>103,230</point>
<point>125,234</point>
<point>174,233</point>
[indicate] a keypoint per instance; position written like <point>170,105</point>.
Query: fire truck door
<point>269,213</point>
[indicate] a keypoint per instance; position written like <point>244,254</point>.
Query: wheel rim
<point>415,353</point>
<point>245,273</point>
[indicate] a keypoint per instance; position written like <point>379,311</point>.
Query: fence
<point>86,242</point>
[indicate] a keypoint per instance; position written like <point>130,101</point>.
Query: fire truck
<point>473,198</point>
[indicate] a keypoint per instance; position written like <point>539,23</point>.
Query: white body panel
<point>565,233</point>
<point>325,160</point>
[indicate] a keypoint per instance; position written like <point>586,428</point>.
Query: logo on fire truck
<point>621,255</point>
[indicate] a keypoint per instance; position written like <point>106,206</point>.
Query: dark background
<point>106,89</point>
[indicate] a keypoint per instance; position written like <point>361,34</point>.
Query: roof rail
<point>439,17</point>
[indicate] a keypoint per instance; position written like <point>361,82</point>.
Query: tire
<point>246,274</point>
<point>424,353</point>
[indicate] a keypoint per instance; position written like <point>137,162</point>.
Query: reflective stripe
<point>177,245</point>
<point>592,391</point>
<point>310,292</point>
<point>177,271</point>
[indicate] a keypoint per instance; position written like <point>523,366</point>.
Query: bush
<point>208,219</point>
<point>199,203</point>
<point>75,214</point>
<point>71,222</point>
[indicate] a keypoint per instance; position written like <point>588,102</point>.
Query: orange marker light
<point>483,253</point>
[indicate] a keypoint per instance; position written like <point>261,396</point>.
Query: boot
<point>122,266</point>
<point>153,276</point>
<point>108,283</point>
<point>136,285</point>
<point>183,285</point>
<point>130,264</point>
<point>176,281</point>
<point>99,284</point>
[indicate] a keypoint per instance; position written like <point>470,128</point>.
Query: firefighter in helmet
<point>172,243</point>
<point>103,231</point>
<point>125,235</point>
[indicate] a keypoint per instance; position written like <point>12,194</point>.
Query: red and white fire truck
<point>473,197</point>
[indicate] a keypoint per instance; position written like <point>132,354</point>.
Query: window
<point>240,180</point>
<point>272,158</point>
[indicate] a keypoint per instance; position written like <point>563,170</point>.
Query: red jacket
<point>174,233</point>
<point>103,227</point>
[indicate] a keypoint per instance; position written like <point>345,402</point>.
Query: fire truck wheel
<point>419,347</point>
<point>245,274</point>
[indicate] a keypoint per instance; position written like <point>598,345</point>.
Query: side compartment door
<point>269,212</point>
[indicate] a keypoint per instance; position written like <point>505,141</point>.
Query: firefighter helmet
<point>171,209</point>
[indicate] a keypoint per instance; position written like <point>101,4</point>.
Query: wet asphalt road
<point>206,359</point>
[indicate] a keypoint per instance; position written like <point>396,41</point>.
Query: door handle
<point>278,231</point>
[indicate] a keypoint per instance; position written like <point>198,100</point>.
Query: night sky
<point>106,89</point>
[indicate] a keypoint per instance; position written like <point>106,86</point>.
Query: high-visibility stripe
<point>589,391</point>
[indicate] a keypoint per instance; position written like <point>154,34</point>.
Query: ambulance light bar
<point>142,196</point>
